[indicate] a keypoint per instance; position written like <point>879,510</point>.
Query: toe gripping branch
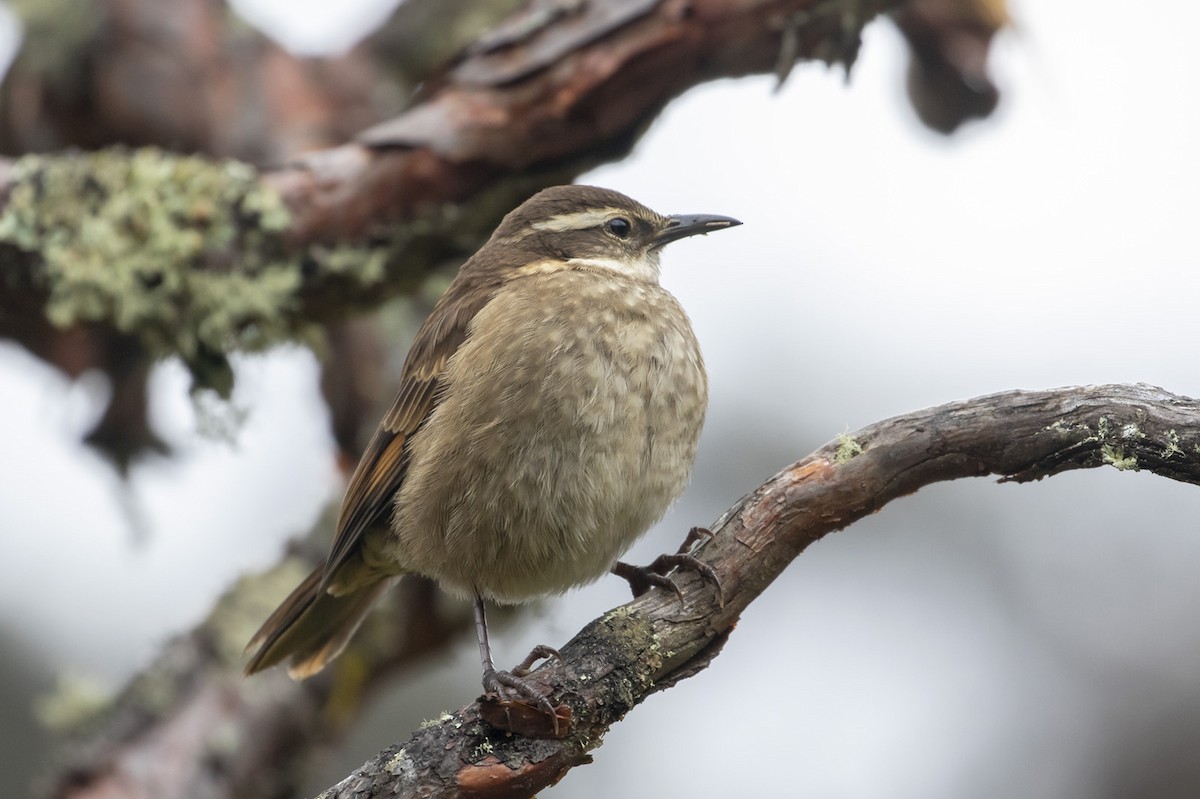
<point>642,578</point>
<point>517,704</point>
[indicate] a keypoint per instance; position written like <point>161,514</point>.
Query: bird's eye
<point>619,227</point>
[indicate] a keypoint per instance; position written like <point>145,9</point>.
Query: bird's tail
<point>312,626</point>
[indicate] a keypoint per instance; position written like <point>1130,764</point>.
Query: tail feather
<point>311,626</point>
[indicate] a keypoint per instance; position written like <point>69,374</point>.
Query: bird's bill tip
<point>683,225</point>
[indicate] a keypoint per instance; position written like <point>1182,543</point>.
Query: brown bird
<point>548,414</point>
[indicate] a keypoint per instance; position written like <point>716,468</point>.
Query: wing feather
<point>384,463</point>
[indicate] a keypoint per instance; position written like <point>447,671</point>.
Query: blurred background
<point>975,639</point>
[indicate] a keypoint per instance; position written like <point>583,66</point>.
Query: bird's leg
<point>510,685</point>
<point>642,578</point>
<point>481,632</point>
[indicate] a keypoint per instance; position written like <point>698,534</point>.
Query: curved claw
<point>506,686</point>
<point>642,578</point>
<point>539,652</point>
<point>693,535</point>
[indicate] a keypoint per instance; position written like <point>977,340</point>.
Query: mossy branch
<point>649,644</point>
<point>180,255</point>
<point>183,254</point>
<point>618,660</point>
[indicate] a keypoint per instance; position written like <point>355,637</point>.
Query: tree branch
<point>649,644</point>
<point>528,105</point>
<point>185,257</point>
<point>115,259</point>
<point>233,737</point>
<point>239,737</point>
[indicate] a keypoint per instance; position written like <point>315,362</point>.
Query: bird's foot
<point>515,703</point>
<point>505,685</point>
<point>642,578</point>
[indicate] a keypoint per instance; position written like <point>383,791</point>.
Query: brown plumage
<point>547,415</point>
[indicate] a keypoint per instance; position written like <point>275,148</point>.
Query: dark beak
<point>682,226</point>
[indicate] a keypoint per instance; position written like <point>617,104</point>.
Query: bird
<point>548,413</point>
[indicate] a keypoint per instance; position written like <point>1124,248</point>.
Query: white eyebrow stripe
<point>578,220</point>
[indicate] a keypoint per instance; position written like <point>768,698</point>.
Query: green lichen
<point>848,449</point>
<point>1172,447</point>
<point>616,614</point>
<point>74,701</point>
<point>1111,452</point>
<point>1068,429</point>
<point>396,762</point>
<point>482,750</point>
<point>183,253</point>
<point>364,264</point>
<point>186,254</point>
<point>1115,456</point>
<point>624,631</point>
<point>442,718</point>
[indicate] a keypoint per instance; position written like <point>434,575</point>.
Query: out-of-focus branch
<point>949,82</point>
<point>119,256</point>
<point>186,75</point>
<point>191,725</point>
<point>653,642</point>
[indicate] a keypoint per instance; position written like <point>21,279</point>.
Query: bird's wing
<point>380,472</point>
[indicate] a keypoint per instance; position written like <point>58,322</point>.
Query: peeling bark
<point>651,643</point>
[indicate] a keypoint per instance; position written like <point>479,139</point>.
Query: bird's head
<point>587,227</point>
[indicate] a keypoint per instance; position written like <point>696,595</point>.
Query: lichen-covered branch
<point>116,258</point>
<point>649,644</point>
<point>180,254</point>
<point>227,257</point>
<point>241,737</point>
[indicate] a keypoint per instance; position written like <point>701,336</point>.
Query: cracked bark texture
<point>652,642</point>
<point>647,645</point>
